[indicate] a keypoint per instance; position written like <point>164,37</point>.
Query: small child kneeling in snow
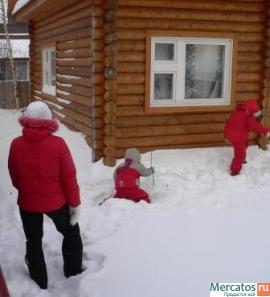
<point>127,177</point>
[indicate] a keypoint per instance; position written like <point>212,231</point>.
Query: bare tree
<point>9,52</point>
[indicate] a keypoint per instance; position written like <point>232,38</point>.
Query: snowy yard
<point>203,226</point>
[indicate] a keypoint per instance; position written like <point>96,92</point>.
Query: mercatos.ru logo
<point>239,289</point>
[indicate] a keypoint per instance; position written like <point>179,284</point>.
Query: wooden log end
<point>109,161</point>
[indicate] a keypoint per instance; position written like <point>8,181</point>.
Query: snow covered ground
<point>203,226</point>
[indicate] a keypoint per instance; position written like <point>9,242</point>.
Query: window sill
<point>49,90</point>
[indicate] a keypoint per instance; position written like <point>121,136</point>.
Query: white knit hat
<point>38,110</point>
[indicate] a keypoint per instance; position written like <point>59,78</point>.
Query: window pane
<point>53,68</point>
<point>164,51</point>
<point>22,70</point>
<point>163,86</point>
<point>8,71</point>
<point>204,75</point>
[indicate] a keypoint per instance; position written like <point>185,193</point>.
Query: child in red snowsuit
<point>240,122</point>
<point>127,177</point>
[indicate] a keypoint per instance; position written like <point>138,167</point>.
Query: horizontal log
<point>123,111</point>
<point>130,34</point>
<point>171,120</point>
<point>126,100</point>
<point>75,71</point>
<point>175,24</point>
<point>123,45</point>
<point>249,67</point>
<point>250,37</point>
<point>169,130</point>
<point>131,68</point>
<point>69,88</point>
<point>249,77</point>
<point>124,89</point>
<point>75,53</point>
<point>249,47</point>
<point>248,87</point>
<point>81,81</point>
<point>74,44</point>
<point>131,57</point>
<point>187,14</point>
<point>168,140</point>
<point>83,62</point>
<point>239,97</point>
<point>130,78</point>
<point>195,4</point>
<point>250,57</point>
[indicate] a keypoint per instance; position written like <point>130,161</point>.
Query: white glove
<point>74,214</point>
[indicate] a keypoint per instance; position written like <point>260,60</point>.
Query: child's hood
<point>133,154</point>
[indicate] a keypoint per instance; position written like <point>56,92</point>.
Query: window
<point>49,70</point>
<point>21,68</point>
<point>189,73</point>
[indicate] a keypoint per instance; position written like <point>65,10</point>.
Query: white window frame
<point>47,86</point>
<point>177,67</point>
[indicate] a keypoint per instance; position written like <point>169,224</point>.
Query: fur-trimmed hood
<point>35,130</point>
<point>27,122</point>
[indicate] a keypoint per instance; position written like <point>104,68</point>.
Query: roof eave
<point>28,11</point>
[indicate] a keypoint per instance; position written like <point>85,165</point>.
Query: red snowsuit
<point>126,179</point>
<point>239,124</point>
<point>41,168</point>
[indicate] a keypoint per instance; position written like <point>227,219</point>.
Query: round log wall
<point>131,125</point>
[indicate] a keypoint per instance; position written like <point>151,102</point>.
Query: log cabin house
<point>150,74</point>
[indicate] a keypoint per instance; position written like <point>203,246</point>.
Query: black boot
<point>72,251</point>
<point>38,273</point>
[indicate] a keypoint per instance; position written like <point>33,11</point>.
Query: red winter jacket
<point>126,178</point>
<point>240,123</point>
<point>41,168</point>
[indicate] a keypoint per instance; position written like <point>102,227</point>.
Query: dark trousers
<point>72,244</point>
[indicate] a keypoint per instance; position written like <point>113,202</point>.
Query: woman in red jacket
<point>241,121</point>
<point>42,170</point>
